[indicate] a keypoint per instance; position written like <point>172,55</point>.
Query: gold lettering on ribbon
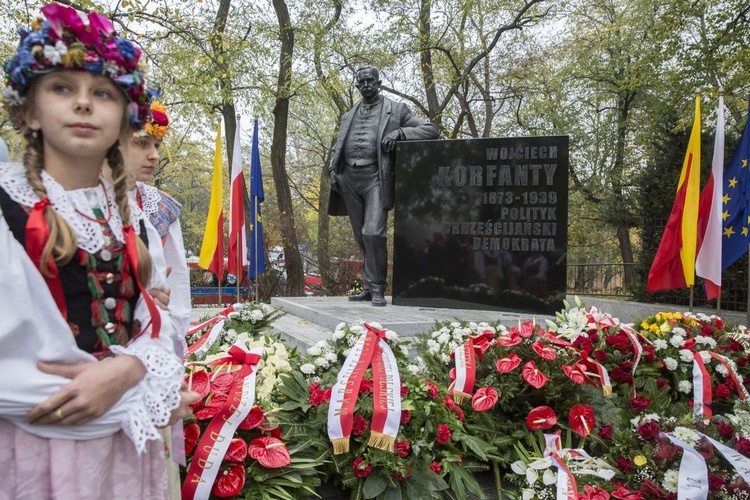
<point>215,436</point>
<point>204,464</point>
<point>693,483</point>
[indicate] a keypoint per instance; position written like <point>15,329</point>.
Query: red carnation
<point>508,363</point>
<point>648,430</point>
<point>541,417</point>
<point>359,425</point>
<point>640,403</point>
<point>270,452</point>
<point>449,402</point>
<point>652,490</point>
<point>401,448</point>
<point>361,468</point>
<point>722,391</point>
<point>365,386</point>
<point>581,419</point>
<point>404,391</point>
<point>661,383</point>
<point>443,434</point>
<point>484,399</point>
<point>605,431</point>
<point>533,376</point>
<point>432,389</point>
<point>459,413</point>
<point>725,430</point>
<point>626,365</point>
<point>435,467</point>
<point>742,445</point>
<point>229,482</point>
<point>405,416</point>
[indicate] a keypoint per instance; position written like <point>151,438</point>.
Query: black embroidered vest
<point>100,291</point>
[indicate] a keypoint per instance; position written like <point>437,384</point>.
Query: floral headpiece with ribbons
<point>68,40</point>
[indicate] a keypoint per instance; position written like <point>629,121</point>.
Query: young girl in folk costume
<point>141,155</point>
<point>87,357</point>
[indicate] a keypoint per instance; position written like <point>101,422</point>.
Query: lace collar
<point>68,203</point>
<point>150,197</point>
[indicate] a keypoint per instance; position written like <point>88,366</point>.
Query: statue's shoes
<point>363,296</point>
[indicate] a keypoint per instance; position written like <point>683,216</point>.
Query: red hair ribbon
<point>131,249</point>
<point>37,233</point>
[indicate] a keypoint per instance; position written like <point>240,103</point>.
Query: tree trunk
<point>626,250</point>
<point>295,285</point>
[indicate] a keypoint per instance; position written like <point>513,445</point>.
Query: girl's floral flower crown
<point>64,40</point>
<point>157,126</point>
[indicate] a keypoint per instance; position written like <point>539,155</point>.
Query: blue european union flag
<point>736,210</point>
<point>256,249</point>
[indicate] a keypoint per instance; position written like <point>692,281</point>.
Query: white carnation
<point>660,344</point>
<point>445,358</point>
<point>307,368</point>
<point>314,350</point>
<point>677,341</point>
<point>331,357</point>
<point>256,315</point>
<point>686,355</point>
<point>679,331</point>
<point>722,370</point>
<point>391,335</point>
<point>670,363</point>
<point>322,362</point>
<point>444,338</point>
<point>433,346</point>
<point>706,357</point>
<point>337,334</point>
<point>685,386</point>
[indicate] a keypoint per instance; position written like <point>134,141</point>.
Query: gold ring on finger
<point>58,414</point>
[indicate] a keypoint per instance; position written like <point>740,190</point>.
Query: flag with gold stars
<point>736,213</point>
<point>674,262</point>
<point>257,253</point>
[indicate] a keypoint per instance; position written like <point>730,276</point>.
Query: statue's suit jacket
<point>393,116</point>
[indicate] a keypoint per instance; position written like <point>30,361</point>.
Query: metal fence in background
<point>603,278</point>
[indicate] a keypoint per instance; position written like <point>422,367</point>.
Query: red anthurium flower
<point>527,329</point>
<point>482,342</point>
<point>541,417</point>
<point>534,377</point>
<point>229,482</point>
<point>574,373</point>
<point>253,419</point>
<point>513,338</point>
<point>237,450</point>
<point>198,382</point>
<point>222,382</point>
<point>509,363</point>
<point>484,399</point>
<point>212,407</point>
<point>581,419</point>
<point>192,432</point>
<point>544,351</point>
<point>269,452</point>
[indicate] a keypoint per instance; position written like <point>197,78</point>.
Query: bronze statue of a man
<point>363,177</point>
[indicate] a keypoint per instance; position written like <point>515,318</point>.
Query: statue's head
<point>367,81</point>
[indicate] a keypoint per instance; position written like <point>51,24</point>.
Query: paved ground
<point>310,319</point>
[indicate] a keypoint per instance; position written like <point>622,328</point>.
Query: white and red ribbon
<point>370,349</point>
<point>214,325</point>
<point>213,445</point>
<point>740,462</point>
<point>702,392</point>
<point>692,479</point>
<point>637,349</point>
<point>729,365</point>
<point>465,358</point>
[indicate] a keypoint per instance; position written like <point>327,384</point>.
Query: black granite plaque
<point>481,223</point>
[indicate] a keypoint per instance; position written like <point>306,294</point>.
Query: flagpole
<point>690,307</point>
<point>747,318</point>
<point>255,245</point>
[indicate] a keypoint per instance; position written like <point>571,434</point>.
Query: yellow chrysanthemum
<point>155,106</point>
<point>644,325</point>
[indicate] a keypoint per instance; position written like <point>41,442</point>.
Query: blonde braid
<point>119,179</point>
<point>62,243</point>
